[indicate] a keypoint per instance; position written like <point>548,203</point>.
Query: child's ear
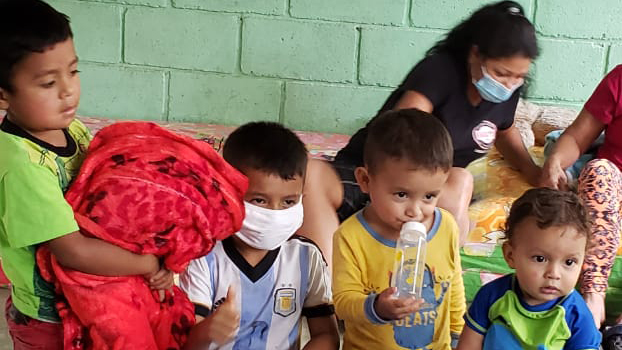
<point>362,178</point>
<point>508,254</point>
<point>4,100</point>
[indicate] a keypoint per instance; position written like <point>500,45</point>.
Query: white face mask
<point>268,228</point>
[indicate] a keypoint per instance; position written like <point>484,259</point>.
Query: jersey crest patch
<point>285,301</point>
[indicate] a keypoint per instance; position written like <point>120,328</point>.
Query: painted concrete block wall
<point>323,65</point>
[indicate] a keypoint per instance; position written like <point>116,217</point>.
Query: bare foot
<point>596,303</point>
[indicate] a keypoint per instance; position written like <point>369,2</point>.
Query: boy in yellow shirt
<point>408,154</point>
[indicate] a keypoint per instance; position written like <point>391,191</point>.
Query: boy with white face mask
<point>252,290</point>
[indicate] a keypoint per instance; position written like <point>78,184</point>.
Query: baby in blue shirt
<point>537,307</point>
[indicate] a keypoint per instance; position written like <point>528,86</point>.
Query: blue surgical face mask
<point>492,90</point>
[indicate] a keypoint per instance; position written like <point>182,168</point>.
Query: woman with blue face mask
<point>471,80</point>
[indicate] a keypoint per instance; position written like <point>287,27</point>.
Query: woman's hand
<point>573,142</point>
<point>553,175</point>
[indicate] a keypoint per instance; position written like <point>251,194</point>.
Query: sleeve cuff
<point>202,310</point>
<point>370,312</point>
<point>473,325</point>
<point>318,311</point>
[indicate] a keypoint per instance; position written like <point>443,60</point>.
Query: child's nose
<point>414,212</point>
<point>67,88</point>
<point>553,272</point>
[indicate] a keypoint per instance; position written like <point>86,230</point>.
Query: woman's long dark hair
<point>498,30</point>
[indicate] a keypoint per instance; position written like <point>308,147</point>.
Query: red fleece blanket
<point>149,191</point>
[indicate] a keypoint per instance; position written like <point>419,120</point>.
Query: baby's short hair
<point>549,208</point>
<point>268,147</point>
<point>408,134</point>
<point>28,26</point>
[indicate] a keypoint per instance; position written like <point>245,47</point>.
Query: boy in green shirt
<point>42,146</point>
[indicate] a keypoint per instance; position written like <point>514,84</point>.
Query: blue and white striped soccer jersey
<point>291,281</point>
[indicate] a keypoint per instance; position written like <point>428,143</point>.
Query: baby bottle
<point>409,265</point>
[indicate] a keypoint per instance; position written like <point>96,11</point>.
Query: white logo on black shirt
<point>484,135</point>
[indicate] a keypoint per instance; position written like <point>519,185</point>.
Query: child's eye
<point>430,196</point>
<point>258,201</point>
<point>75,72</point>
<point>570,262</point>
<point>401,194</point>
<point>538,258</point>
<point>290,202</point>
<point>48,84</point>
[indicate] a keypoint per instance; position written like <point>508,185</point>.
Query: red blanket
<point>149,191</point>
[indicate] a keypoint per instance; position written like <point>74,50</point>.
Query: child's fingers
<point>163,285</point>
<point>163,279</point>
<point>405,301</point>
<point>223,333</point>
<point>404,310</point>
<point>166,281</point>
<point>407,306</point>
<point>388,292</point>
<point>228,308</point>
<point>161,274</point>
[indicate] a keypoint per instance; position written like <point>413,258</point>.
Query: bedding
<point>496,186</point>
<point>149,191</point>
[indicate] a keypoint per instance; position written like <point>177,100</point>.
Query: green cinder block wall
<point>324,65</point>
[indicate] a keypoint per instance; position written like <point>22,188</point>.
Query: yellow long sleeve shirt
<point>362,262</point>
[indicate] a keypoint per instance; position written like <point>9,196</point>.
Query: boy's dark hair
<point>409,134</point>
<point>28,26</point>
<point>499,30</point>
<point>550,208</point>
<point>268,147</point>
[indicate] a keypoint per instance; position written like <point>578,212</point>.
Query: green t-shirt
<point>33,178</point>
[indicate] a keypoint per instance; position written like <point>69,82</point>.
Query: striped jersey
<point>289,282</point>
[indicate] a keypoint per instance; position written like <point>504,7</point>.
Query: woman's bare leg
<point>323,194</point>
<point>456,197</point>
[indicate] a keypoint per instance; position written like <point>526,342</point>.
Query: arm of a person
<point>511,146</point>
<point>198,337</point>
<point>477,321</point>
<point>576,139</point>
<point>470,340</point>
<point>599,110</point>
<point>323,333</point>
<point>97,257</point>
<point>352,304</point>
<point>457,306</point>
<point>318,304</point>
<point>414,99</point>
<point>220,327</point>
<point>36,213</point>
<point>573,142</point>
<point>217,325</point>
